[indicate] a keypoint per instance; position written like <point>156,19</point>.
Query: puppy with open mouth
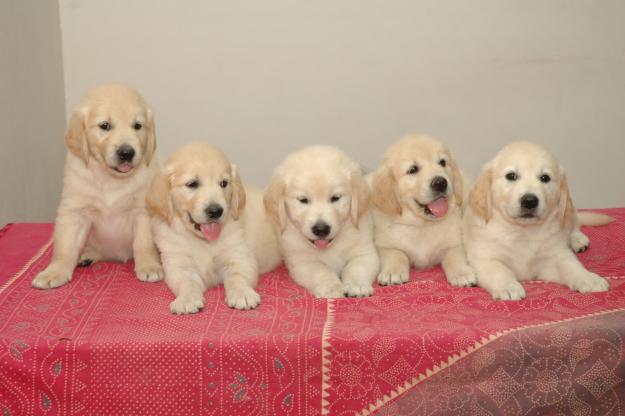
<point>209,229</point>
<point>319,202</point>
<point>418,194</point>
<point>111,141</point>
<point>521,225</point>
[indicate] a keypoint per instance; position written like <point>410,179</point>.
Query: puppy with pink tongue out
<point>418,196</point>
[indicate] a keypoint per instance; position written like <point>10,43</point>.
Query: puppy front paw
<point>591,282</point>
<point>52,277</point>
<point>242,297</point>
<point>393,276</point>
<point>331,291</point>
<point>354,290</point>
<point>461,277</point>
<point>149,270</point>
<point>187,304</point>
<point>579,241</point>
<point>510,291</point>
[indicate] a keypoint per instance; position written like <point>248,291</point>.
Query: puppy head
<point>417,174</point>
<point>114,126</point>
<point>200,186</point>
<point>525,184</point>
<point>318,190</point>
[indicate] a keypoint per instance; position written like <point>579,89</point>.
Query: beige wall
<point>32,110</point>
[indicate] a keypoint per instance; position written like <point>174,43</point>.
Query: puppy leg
<point>189,291</point>
<point>457,269</point>
<point>498,280</point>
<point>569,271</point>
<point>579,241</point>
<point>147,261</point>
<point>318,279</point>
<point>70,232</point>
<point>89,256</point>
<point>395,267</point>
<point>240,279</point>
<point>359,274</point>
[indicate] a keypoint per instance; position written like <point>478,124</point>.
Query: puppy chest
<point>112,235</point>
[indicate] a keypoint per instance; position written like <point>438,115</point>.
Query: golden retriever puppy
<point>521,223</point>
<point>418,193</point>
<point>197,202</point>
<point>108,170</point>
<point>319,201</point>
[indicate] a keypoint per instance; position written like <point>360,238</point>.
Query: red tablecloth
<point>106,344</point>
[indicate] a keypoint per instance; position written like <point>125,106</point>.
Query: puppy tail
<point>593,219</point>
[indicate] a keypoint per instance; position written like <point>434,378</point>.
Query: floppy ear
<point>158,201</point>
<point>566,209</point>
<point>237,200</point>
<point>76,136</point>
<point>274,202</point>
<point>150,145</point>
<point>383,191</point>
<point>361,196</point>
<point>457,182</point>
<point>479,199</point>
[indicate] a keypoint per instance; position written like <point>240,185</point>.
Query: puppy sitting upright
<point>197,201</point>
<point>102,213</point>
<point>521,223</point>
<point>319,202</point>
<point>417,192</point>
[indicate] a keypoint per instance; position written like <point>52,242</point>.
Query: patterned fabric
<point>106,344</point>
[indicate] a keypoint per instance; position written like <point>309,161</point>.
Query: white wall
<point>32,110</point>
<point>263,78</point>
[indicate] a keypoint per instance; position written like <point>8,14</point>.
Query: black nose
<point>214,211</point>
<point>125,153</point>
<point>439,184</point>
<point>321,229</point>
<point>529,201</point>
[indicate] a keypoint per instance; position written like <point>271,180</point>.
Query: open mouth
<point>437,208</point>
<point>321,243</point>
<point>210,230</point>
<point>123,167</point>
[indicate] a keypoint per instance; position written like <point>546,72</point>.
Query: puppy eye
<point>137,126</point>
<point>105,125</point>
<point>545,178</point>
<point>223,183</point>
<point>303,199</point>
<point>442,162</point>
<point>413,170</point>
<point>192,184</point>
<point>335,198</point>
<point>511,176</point>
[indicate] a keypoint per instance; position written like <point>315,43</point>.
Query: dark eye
<point>511,176</point>
<point>303,200</point>
<point>105,125</point>
<point>335,198</point>
<point>192,184</point>
<point>442,162</point>
<point>412,170</point>
<point>223,183</point>
<point>545,178</point>
<point>137,126</point>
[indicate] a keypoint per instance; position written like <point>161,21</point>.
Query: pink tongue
<point>124,167</point>
<point>322,243</point>
<point>439,207</point>
<point>211,230</point>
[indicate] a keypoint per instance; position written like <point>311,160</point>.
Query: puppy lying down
<point>521,225</point>
<point>319,201</point>
<point>417,194</point>
<point>108,169</point>
<point>208,231</point>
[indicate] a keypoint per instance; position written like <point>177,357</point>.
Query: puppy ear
<point>237,200</point>
<point>457,182</point>
<point>479,199</point>
<point>274,202</point>
<point>361,196</point>
<point>383,191</point>
<point>76,136</point>
<point>158,201</point>
<point>150,144</point>
<point>566,209</point>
